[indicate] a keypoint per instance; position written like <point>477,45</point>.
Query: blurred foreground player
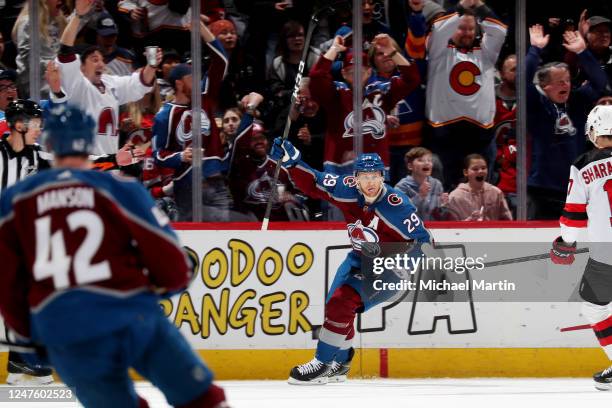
<point>588,204</point>
<point>374,213</point>
<point>75,244</point>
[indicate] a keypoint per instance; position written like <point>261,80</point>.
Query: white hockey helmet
<point>599,123</point>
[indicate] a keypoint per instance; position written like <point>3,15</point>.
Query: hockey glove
<point>286,151</point>
<point>562,253</point>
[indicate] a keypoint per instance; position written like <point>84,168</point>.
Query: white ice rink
<point>389,393</point>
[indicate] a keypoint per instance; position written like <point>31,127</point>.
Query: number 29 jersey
<point>81,252</point>
<point>391,218</point>
<point>589,203</point>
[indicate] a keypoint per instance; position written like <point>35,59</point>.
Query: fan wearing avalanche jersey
<point>336,98</point>
<point>173,134</point>
<point>589,205</point>
<point>252,173</point>
<point>86,258</point>
<point>374,212</point>
<point>85,83</point>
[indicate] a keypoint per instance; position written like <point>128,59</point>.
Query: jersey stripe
<point>573,223</point>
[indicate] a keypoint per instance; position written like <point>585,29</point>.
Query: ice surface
<point>387,393</point>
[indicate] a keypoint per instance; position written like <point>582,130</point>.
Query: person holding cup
<point>85,83</point>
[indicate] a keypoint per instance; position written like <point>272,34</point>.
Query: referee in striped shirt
<point>20,156</point>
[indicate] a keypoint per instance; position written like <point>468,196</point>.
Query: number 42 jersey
<point>589,203</point>
<point>83,253</point>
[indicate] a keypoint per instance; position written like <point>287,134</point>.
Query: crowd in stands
<point>439,87</point>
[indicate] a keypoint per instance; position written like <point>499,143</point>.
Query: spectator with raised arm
<point>460,103</point>
<point>336,99</point>
<point>173,133</point>
<point>240,78</point>
<point>555,119</point>
<point>596,32</point>
<point>85,83</point>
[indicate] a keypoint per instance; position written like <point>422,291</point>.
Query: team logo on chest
<point>183,130</point>
<point>360,234</point>
<point>373,121</point>
<point>394,199</point>
<point>463,78</point>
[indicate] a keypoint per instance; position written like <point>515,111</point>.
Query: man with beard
<point>252,175</point>
<point>460,103</point>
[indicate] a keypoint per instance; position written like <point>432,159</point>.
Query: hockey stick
<point>572,328</point>
<point>526,258</point>
<point>314,22</point>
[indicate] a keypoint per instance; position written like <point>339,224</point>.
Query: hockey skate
<point>314,372</point>
<point>19,374</point>
<point>603,379</point>
<point>338,371</point>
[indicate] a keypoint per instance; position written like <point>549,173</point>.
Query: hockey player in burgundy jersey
<point>589,205</point>
<point>86,257</point>
<point>336,98</point>
<point>374,213</point>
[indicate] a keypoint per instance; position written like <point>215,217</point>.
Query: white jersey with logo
<point>460,83</point>
<point>102,106</point>
<point>589,203</point>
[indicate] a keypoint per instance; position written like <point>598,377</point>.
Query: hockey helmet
<point>68,131</point>
<point>368,162</point>
<point>599,123</point>
<point>22,110</point>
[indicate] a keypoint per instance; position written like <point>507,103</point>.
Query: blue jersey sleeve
<point>326,186</point>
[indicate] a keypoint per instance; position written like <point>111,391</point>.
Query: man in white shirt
<point>85,84</point>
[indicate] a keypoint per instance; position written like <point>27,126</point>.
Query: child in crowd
<point>477,200</point>
<point>425,192</point>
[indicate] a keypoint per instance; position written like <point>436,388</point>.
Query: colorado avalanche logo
<point>183,130</point>
<point>258,191</point>
<point>373,122</point>
<point>349,181</point>
<point>359,235</point>
<point>394,199</point>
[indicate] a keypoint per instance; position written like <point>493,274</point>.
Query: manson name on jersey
<point>72,197</point>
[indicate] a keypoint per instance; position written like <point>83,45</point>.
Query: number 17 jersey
<point>589,203</point>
